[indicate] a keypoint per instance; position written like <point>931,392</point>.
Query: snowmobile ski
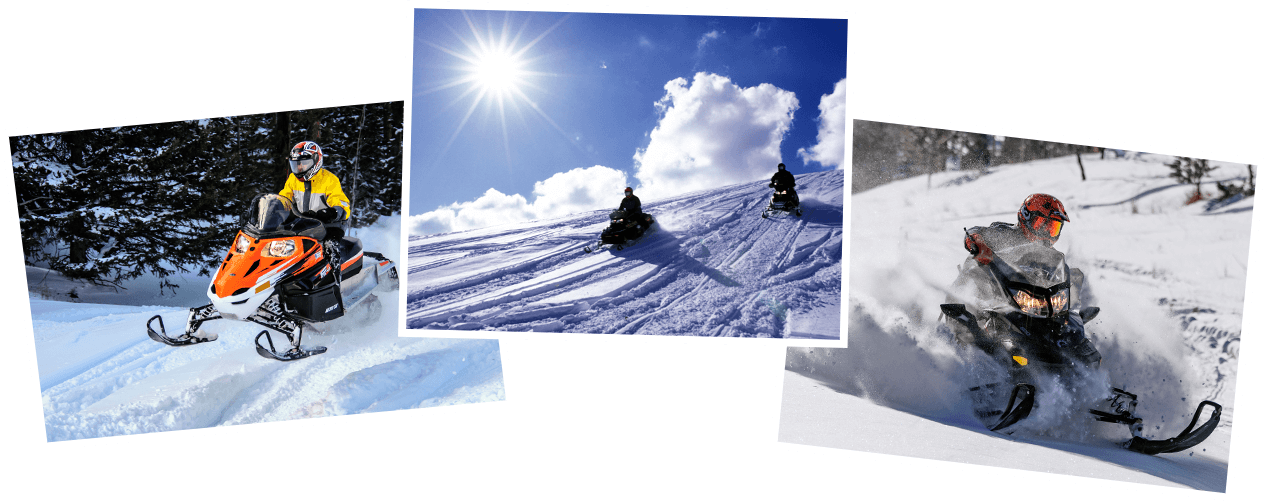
<point>1019,405</point>
<point>1123,404</point>
<point>295,353</point>
<point>192,335</point>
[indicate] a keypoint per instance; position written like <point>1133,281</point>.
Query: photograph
<point>227,271</point>
<point>626,174</point>
<point>1035,305</point>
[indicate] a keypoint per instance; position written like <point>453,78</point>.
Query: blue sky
<point>575,113</point>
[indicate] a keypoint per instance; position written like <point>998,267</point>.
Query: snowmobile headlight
<point>1059,301</point>
<point>279,249</point>
<point>243,243</point>
<point>1029,304</point>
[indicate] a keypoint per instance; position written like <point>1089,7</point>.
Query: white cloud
<point>829,151</point>
<point>577,190</point>
<point>711,35</point>
<point>644,42</point>
<point>759,30</point>
<point>580,189</point>
<point>713,133</point>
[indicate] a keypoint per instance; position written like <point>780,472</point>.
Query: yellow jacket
<point>324,190</point>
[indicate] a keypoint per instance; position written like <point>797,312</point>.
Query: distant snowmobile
<point>1026,312</point>
<point>278,274</point>
<point>625,230</point>
<point>784,200</point>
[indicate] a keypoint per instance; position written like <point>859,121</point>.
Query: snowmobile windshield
<point>1033,263</point>
<point>269,214</point>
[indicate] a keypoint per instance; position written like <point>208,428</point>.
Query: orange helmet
<point>1042,218</point>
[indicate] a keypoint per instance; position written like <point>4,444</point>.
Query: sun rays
<point>493,71</point>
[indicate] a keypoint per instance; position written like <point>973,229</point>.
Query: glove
<point>328,214</point>
<point>978,249</point>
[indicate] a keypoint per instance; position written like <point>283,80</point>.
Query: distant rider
<point>632,207</point>
<point>1041,219</point>
<point>783,180</point>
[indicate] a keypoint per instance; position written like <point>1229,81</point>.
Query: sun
<point>495,71</point>
<point>498,71</point>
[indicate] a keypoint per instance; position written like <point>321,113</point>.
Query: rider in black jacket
<point>783,180</point>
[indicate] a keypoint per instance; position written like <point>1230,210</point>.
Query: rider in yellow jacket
<point>316,192</point>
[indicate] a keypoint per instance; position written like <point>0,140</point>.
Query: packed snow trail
<point>713,267</point>
<point>1169,277</point>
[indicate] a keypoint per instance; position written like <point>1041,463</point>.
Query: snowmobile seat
<point>349,248</point>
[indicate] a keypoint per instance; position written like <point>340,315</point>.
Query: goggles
<point>1047,227</point>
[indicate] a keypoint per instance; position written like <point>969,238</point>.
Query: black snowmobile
<point>1025,311</point>
<point>625,230</point>
<point>279,274</point>
<point>784,200</point>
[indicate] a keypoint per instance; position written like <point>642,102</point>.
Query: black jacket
<point>783,178</point>
<point>631,205</point>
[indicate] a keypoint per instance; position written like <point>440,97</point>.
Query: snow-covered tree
<point>116,203</point>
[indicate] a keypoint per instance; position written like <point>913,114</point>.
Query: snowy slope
<point>100,375</point>
<point>1170,279</point>
<point>714,267</point>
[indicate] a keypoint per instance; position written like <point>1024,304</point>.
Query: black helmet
<point>781,166</point>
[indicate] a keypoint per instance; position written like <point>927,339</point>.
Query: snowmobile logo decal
<point>332,307</point>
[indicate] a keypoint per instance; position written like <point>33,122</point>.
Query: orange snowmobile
<point>284,271</point>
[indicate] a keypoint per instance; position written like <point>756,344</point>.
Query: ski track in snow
<point>713,267</point>
<point>100,375</point>
<point>1170,279</point>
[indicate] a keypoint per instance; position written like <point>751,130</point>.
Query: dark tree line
<point>116,203</point>
<point>884,152</point>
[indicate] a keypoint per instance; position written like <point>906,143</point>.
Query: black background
<point>591,419</point>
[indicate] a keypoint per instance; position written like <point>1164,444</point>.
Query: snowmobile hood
<point>254,264</point>
<point>1032,263</point>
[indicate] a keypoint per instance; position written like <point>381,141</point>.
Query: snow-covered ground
<point>1170,278</point>
<point>100,375</point>
<point>714,267</point>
